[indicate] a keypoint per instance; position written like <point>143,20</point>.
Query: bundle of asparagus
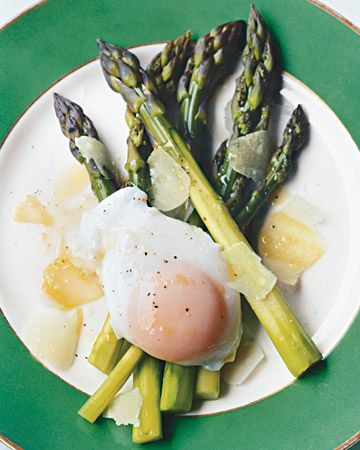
<point>284,329</point>
<point>148,95</point>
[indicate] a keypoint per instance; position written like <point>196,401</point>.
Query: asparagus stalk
<point>124,75</point>
<point>177,389</point>
<point>208,65</point>
<point>165,69</point>
<point>74,124</point>
<point>293,140</point>
<point>97,403</point>
<point>205,68</point>
<point>147,377</point>
<point>251,107</point>
<point>168,65</point>
<point>106,350</point>
<point>210,62</point>
<point>207,384</point>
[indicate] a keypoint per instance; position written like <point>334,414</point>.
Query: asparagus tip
<point>101,43</point>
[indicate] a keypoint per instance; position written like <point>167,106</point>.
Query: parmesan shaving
<point>248,357</point>
<point>92,149</point>
<point>53,336</point>
<point>250,154</point>
<point>31,210</point>
<point>171,184</point>
<point>125,408</point>
<point>70,285</point>
<point>248,275</point>
<point>288,242</point>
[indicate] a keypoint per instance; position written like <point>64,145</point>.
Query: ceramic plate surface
<point>35,160</point>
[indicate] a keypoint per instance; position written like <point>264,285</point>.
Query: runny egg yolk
<point>182,315</point>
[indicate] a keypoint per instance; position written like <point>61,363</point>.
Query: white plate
<point>35,157</point>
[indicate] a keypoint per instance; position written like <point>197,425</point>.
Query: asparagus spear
<point>207,384</point>
<point>138,144</point>
<point>74,123</point>
<point>97,403</point>
<point>107,349</point>
<point>212,57</point>
<point>165,69</point>
<point>210,62</point>
<point>147,377</point>
<point>251,106</point>
<point>177,389</point>
<point>168,65</point>
<point>124,75</point>
<point>293,140</point>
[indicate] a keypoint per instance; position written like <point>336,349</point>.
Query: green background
<point>38,410</point>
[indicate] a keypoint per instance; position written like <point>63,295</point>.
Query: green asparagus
<point>177,389</point>
<point>106,350</point>
<point>168,65</point>
<point>293,140</point>
<point>74,124</point>
<point>213,56</point>
<point>165,70</point>
<point>250,108</point>
<point>97,403</point>
<point>147,377</point>
<point>207,384</point>
<point>124,75</point>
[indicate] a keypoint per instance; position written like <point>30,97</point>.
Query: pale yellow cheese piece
<point>70,285</point>
<point>53,336</point>
<point>31,210</point>
<point>125,408</point>
<point>93,149</point>
<point>249,155</point>
<point>248,275</point>
<point>249,355</point>
<point>288,246</point>
<point>171,184</point>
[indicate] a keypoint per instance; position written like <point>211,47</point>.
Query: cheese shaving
<point>250,154</point>
<point>92,149</point>
<point>70,285</point>
<point>125,408</point>
<point>53,336</point>
<point>288,242</point>
<point>248,275</point>
<point>248,357</point>
<point>171,184</point>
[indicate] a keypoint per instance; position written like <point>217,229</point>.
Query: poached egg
<point>165,282</point>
